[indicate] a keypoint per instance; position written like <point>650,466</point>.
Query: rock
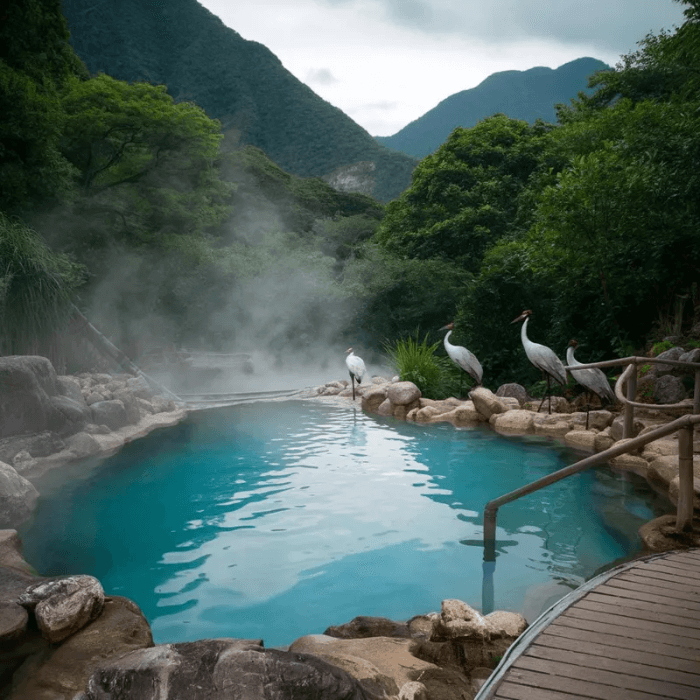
<point>61,671</point>
<point>82,445</point>
<point>583,439</point>
<point>62,606</point>
<point>139,387</point>
<point>510,403</point>
<point>402,393</point>
<point>559,405</point>
<point>486,402</point>
<point>23,462</point>
<point>13,621</point>
<point>109,413</point>
<point>661,448</point>
<point>145,405</point>
<point>27,384</point>
<point>632,463</point>
<point>421,626</point>
<point>617,427</point>
<point>413,690</point>
<point>597,420</point>
<point>76,413</point>
<point>660,535</point>
<point>17,497</point>
<point>38,445</point>
<point>162,405</point>
<point>674,488</point>
<point>373,398</point>
<point>459,621</point>
<point>131,406</point>
<point>516,391</point>
<point>11,554</point>
<point>70,387</point>
<point>93,397</point>
<point>660,369</point>
<point>519,421</point>
<point>464,415</point>
<point>602,442</point>
<point>690,356</point>
<point>554,425</point>
<point>362,627</point>
<point>478,677</point>
<point>221,668</point>
<point>506,624</point>
<point>101,378</point>
<point>669,390</point>
<point>385,408</point>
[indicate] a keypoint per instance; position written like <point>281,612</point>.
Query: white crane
<point>542,357</point>
<point>356,367</point>
<point>462,357</point>
<point>591,379</point>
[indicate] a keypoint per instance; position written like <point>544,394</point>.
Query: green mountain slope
<point>527,95</point>
<point>242,83</point>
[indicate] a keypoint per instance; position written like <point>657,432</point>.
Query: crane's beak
<point>520,318</point>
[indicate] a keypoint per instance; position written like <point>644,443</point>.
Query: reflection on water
<point>278,519</point>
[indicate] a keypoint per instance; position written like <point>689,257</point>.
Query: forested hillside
<point>182,45</point>
<point>528,95</point>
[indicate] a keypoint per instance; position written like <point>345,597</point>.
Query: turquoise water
<point>276,520</point>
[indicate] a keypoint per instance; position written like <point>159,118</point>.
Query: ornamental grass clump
<point>416,361</point>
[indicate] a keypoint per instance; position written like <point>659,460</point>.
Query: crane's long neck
<point>570,359</point>
<point>523,331</point>
<point>446,339</point>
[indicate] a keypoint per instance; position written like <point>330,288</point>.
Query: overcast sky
<point>387,62</point>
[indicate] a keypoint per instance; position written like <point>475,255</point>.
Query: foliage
<point>464,197</point>
<point>660,347</point>
<point>415,361</point>
<point>37,287</point>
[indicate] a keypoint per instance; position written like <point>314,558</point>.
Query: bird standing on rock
<point>462,357</point>
<point>542,357</point>
<point>356,367</point>
<point>591,379</point>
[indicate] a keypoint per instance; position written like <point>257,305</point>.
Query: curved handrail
<point>684,424</point>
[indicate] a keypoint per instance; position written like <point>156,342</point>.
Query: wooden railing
<point>685,426</point>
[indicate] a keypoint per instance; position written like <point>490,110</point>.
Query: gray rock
<point>221,668</point>
<point>17,497</point>
<point>26,385</point>
<point>373,397</point>
<point>76,413</point>
<point>93,397</point>
<point>38,445</point>
<point>13,621</point>
<point>63,606</point>
<point>669,389</point>
<point>109,413</point>
<point>660,369</point>
<point>402,393</point>
<point>131,406</point>
<point>70,387</point>
<point>101,378</point>
<point>162,405</point>
<point>690,356</point>
<point>486,403</point>
<point>515,391</point>
<point>363,626</point>
<point>82,445</point>
<point>616,427</point>
<point>138,386</point>
<point>460,621</point>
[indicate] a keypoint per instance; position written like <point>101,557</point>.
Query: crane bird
<point>542,357</point>
<point>591,379</point>
<point>356,367</point>
<point>462,357</point>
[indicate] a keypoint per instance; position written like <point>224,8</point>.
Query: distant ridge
<point>181,44</point>
<point>528,95</point>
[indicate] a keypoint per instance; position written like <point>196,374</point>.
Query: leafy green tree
<point>465,196</point>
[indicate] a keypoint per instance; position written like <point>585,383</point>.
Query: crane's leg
<point>588,407</point>
<point>352,379</point>
<point>545,396</point>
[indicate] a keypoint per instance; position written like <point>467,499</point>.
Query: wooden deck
<point>632,633</point>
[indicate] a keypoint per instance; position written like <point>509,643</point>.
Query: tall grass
<point>415,361</point>
<point>36,289</point>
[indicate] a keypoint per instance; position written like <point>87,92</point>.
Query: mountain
<point>527,95</point>
<point>181,44</point>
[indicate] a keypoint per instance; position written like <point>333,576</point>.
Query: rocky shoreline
<point>64,639</point>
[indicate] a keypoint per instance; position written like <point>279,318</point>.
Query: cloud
<point>321,76</point>
<point>612,25</point>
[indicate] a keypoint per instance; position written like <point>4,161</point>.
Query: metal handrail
<point>685,498</point>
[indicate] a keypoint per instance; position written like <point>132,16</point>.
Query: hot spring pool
<point>276,520</point>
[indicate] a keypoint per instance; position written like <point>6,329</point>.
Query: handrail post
<point>490,534</point>
<point>696,394</point>
<point>628,427</point>
<point>684,513</point>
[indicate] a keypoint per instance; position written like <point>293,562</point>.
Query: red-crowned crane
<point>542,357</point>
<point>591,379</point>
<point>356,367</point>
<point>462,357</point>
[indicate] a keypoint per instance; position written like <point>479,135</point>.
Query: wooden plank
<point>618,681</point>
<point>661,580</point>
<point>646,633</point>
<point>635,617</point>
<point>574,686</point>
<point>622,648</point>
<point>645,589</point>
<point>514,691</point>
<point>671,611</point>
<point>685,567</point>
<point>687,554</point>
<point>664,568</point>
<point>630,667</point>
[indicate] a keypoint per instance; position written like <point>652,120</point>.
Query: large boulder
<point>660,369</point>
<point>402,393</point>
<point>364,626</point>
<point>220,668</point>
<point>77,414</point>
<point>63,606</point>
<point>669,389</point>
<point>516,391</point>
<point>486,402</point>
<point>109,413</point>
<point>373,397</point>
<point>17,497</point>
<point>519,421</point>
<point>27,384</point>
